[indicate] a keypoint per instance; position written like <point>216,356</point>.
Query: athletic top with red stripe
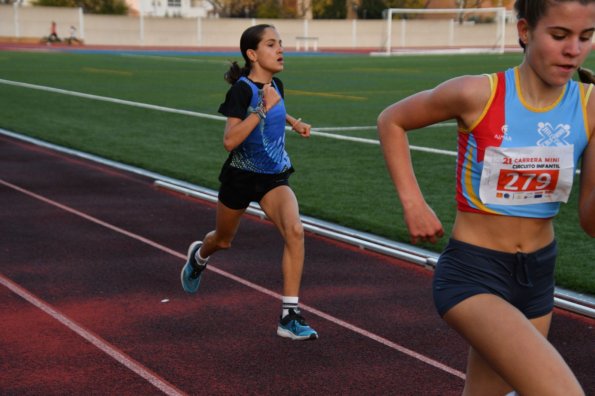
<point>517,160</point>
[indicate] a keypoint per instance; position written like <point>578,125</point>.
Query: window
<point>174,3</point>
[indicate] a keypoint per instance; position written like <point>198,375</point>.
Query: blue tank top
<point>509,123</point>
<point>263,151</point>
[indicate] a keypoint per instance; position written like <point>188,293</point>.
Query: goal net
<point>446,30</point>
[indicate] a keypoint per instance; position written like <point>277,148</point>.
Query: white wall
<point>34,22</point>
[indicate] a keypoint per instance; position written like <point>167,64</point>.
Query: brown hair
<point>249,41</point>
<point>586,76</point>
<point>533,10</point>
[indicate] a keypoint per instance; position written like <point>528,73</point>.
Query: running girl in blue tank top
<point>522,134</point>
<point>258,170</point>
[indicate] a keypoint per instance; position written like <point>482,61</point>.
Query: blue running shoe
<point>192,271</point>
<point>294,326</point>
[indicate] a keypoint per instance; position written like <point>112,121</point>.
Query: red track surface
<point>88,255</point>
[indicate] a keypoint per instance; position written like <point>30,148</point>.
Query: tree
<point>217,6</point>
<point>117,7</point>
<point>275,9</point>
<point>254,8</point>
<point>373,9</point>
<point>329,9</point>
<point>235,8</point>
<point>480,3</point>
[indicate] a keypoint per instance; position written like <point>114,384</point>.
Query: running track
<point>91,301</point>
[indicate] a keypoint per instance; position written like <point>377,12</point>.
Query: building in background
<point>171,8</point>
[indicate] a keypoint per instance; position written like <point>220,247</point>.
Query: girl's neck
<point>534,90</point>
<point>260,77</point>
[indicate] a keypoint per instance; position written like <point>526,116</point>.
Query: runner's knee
<point>294,232</point>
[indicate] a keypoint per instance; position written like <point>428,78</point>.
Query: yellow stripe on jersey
<point>493,85</point>
<point>584,100</point>
<point>468,184</point>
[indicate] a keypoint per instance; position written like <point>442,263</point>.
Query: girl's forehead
<point>270,34</point>
<point>570,11</point>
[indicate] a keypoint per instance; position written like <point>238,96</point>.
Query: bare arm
<point>298,125</point>
<point>461,99</point>
<point>237,130</point>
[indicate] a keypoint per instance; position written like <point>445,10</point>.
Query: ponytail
<point>235,72</point>
<point>586,76</point>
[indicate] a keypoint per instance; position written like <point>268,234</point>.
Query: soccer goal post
<point>446,30</point>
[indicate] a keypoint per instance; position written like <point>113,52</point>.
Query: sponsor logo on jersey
<point>503,136</point>
<point>551,136</point>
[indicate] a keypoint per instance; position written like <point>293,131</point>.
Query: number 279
<point>527,181</point>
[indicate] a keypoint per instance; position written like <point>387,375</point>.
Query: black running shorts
<point>239,188</point>
<point>525,280</point>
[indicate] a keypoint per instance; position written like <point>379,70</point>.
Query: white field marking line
<point>200,115</point>
<point>376,142</point>
<point>114,100</point>
<point>215,117</point>
<point>242,281</point>
<point>173,58</point>
<point>373,127</point>
<point>94,339</point>
<point>313,132</point>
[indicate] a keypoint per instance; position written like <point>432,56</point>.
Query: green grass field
<point>340,181</point>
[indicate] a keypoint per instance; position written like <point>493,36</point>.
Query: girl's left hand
<point>302,128</point>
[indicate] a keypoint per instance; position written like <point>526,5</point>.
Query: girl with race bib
<point>521,135</point>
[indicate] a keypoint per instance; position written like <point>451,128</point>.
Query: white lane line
<point>113,100</point>
<point>376,142</point>
<point>94,339</point>
<point>373,127</point>
<point>251,285</point>
<point>314,132</point>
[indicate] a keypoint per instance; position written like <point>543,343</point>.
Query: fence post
<point>198,31</point>
<point>305,28</point>
<point>141,25</point>
<point>403,31</point>
<point>81,23</point>
<point>15,13</point>
<point>389,32</point>
<point>503,31</point>
<point>354,33</point>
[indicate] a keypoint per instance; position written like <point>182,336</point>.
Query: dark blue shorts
<point>525,280</point>
<point>239,188</point>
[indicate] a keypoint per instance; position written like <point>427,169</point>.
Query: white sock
<point>199,259</point>
<point>289,302</point>
<point>513,393</point>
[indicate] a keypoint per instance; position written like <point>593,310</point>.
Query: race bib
<point>527,175</point>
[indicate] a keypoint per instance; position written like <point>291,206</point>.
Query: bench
<point>305,41</point>
<point>19,40</point>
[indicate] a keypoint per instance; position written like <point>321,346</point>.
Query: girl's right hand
<point>270,96</point>
<point>423,225</point>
